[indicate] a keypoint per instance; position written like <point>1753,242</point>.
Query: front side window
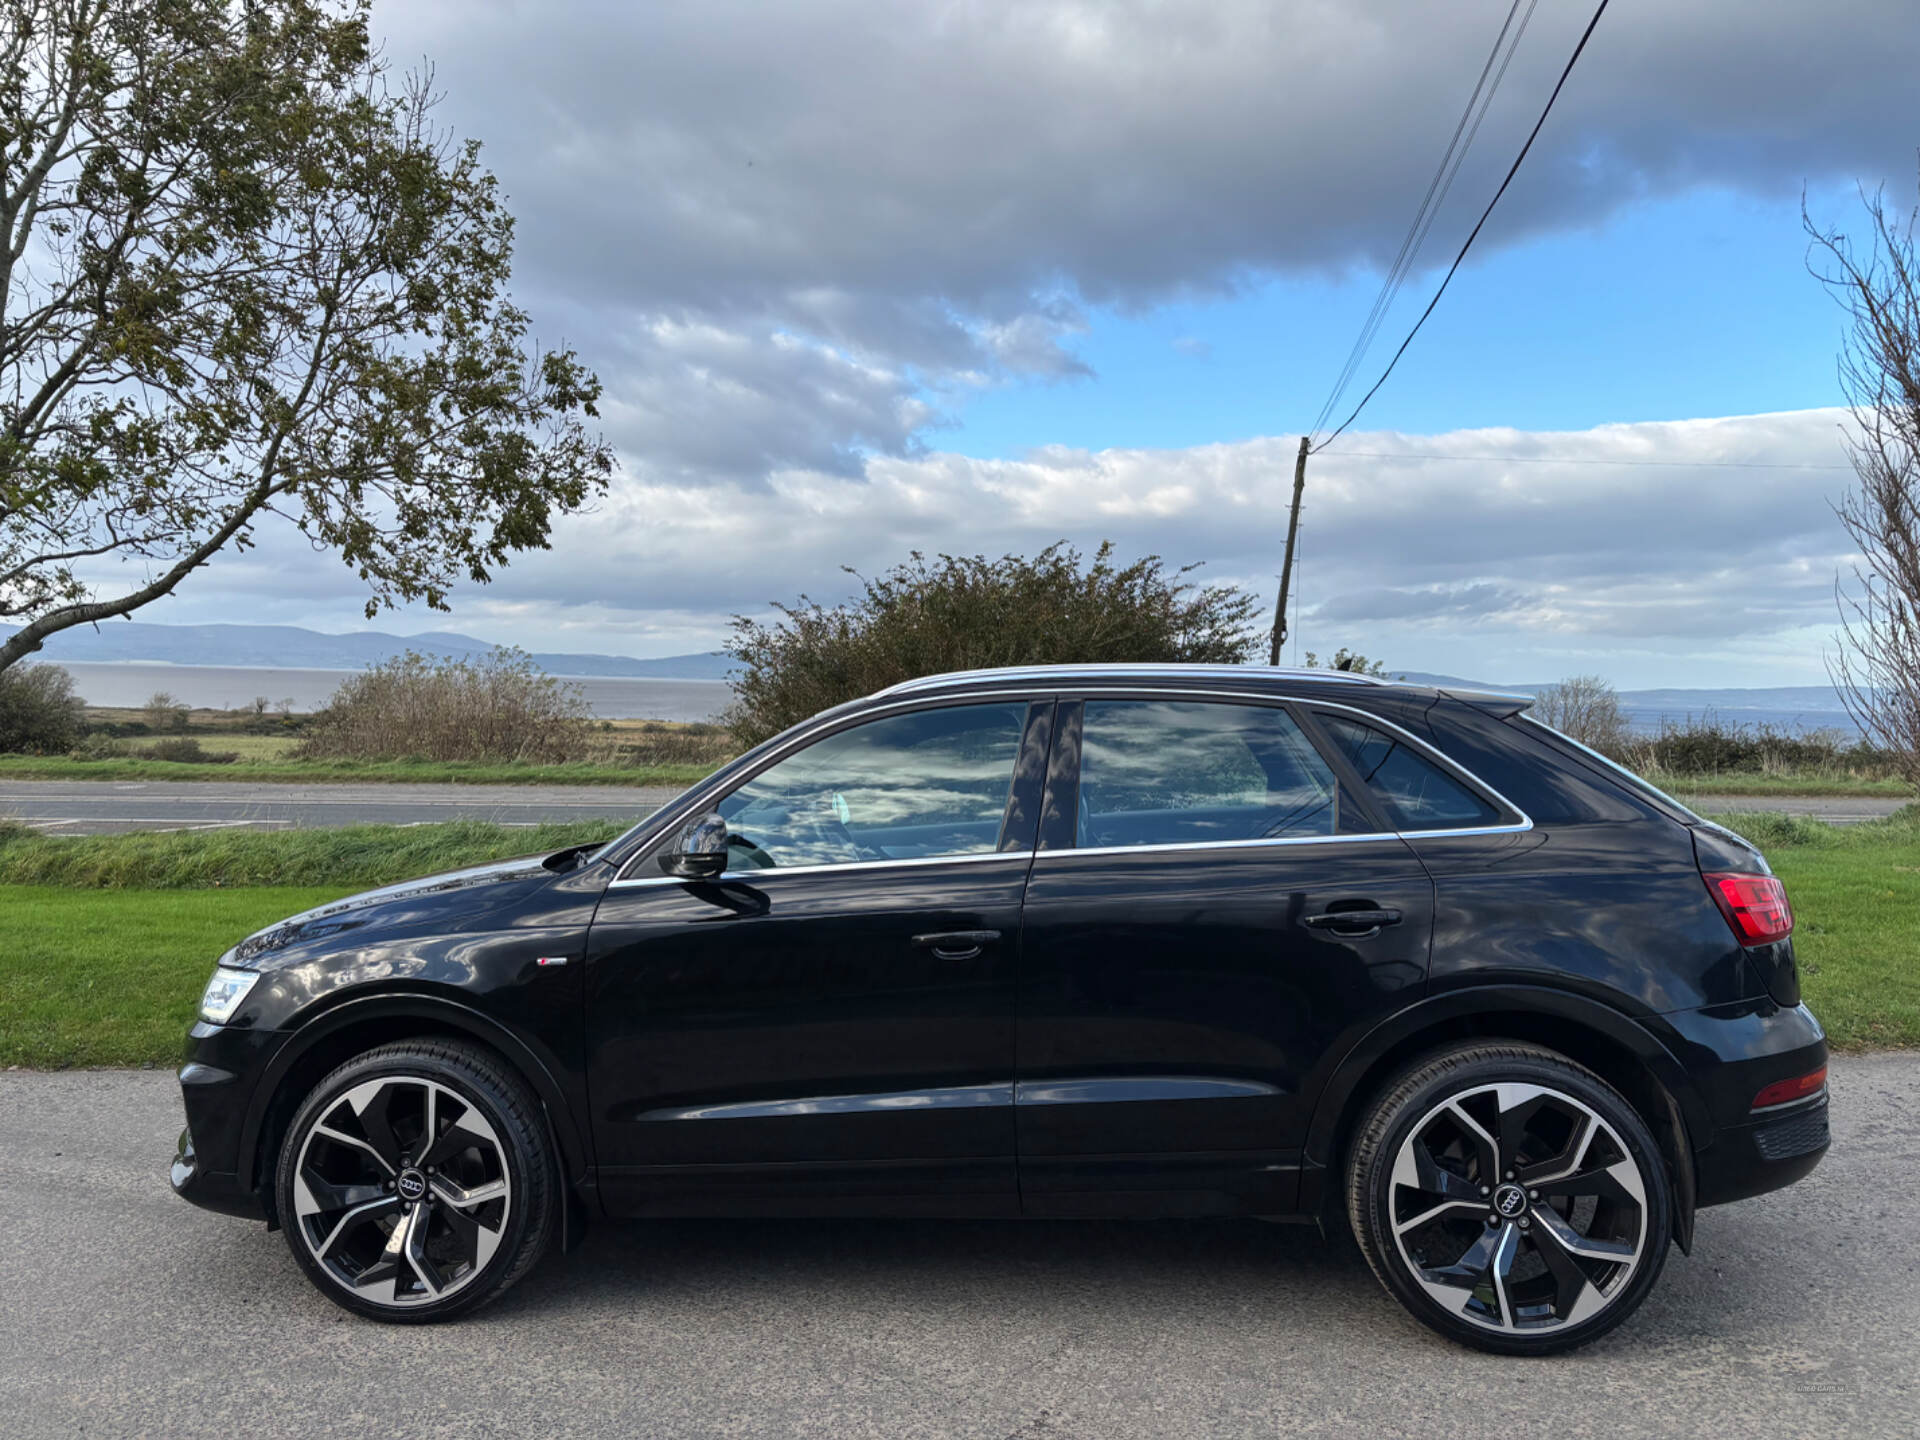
<point>907,787</point>
<point>1175,772</point>
<point>1414,790</point>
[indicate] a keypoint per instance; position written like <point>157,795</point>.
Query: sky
<point>863,277</point>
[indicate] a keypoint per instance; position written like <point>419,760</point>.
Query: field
<point>109,939</point>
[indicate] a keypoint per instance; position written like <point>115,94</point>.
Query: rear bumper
<point>1731,1052</point>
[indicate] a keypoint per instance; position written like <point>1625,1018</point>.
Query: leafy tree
<point>1345,659</point>
<point>242,275</point>
<point>39,713</point>
<point>968,612</point>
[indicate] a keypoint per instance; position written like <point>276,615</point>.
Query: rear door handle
<point>1352,922</point>
<point>957,944</point>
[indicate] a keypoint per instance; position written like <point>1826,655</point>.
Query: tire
<point>395,1229</point>
<point>1549,1259</point>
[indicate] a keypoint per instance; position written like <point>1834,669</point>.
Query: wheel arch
<point>356,1026</point>
<point>1585,1031</point>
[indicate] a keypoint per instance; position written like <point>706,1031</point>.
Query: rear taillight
<point>1755,906</point>
<point>1785,1092</point>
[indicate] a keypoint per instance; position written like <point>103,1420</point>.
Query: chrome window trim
<point>970,857</point>
<point>1259,842</point>
<point>709,794</point>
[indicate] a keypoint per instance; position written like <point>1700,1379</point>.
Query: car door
<point>829,1024</point>
<point>1212,912</point>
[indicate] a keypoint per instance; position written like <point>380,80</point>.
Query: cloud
<point>1522,555</point>
<point>777,230</point>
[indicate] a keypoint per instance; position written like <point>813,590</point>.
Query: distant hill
<point>287,647</point>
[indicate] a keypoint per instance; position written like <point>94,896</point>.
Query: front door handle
<point>957,944</point>
<point>1355,923</point>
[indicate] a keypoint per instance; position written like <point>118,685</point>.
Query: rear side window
<point>1167,772</point>
<point>1417,793</point>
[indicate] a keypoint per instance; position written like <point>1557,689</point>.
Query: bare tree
<point>1876,665</point>
<point>1584,708</point>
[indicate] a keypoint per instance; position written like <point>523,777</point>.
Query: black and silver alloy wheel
<point>1510,1198</point>
<point>414,1184</point>
<point>401,1191</point>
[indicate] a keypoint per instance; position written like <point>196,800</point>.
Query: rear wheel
<point>1509,1198</point>
<point>415,1183</point>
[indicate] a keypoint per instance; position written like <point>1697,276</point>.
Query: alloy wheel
<point>1518,1208</point>
<point>401,1191</point>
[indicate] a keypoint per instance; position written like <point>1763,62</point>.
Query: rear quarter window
<point>1518,760</point>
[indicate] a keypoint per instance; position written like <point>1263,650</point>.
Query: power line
<point>1446,280</point>
<point>1430,205</point>
<point>1554,460</point>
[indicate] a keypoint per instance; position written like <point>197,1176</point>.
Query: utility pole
<point>1286,569</point>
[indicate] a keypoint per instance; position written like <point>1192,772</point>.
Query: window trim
<point>717,787</point>
<point>1302,710</point>
<point>726,781</point>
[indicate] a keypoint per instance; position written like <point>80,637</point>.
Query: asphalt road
<point>106,807</point>
<point>103,807</point>
<point>124,1311</point>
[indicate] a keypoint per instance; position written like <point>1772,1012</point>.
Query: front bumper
<point>1731,1052</point>
<point>216,1084</point>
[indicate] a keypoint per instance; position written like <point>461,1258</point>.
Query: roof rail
<point>1161,672</point>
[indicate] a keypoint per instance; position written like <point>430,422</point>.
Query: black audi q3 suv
<point>1068,941</point>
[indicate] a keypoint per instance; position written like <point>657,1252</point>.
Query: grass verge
<point>107,949</point>
<point>112,979</point>
<point>355,857</point>
<point>339,772</point>
<point>1856,901</point>
<point>1735,782</point>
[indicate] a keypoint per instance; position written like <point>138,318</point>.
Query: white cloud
<point>1680,572</point>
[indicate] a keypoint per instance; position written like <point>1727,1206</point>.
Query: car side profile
<point>1062,941</point>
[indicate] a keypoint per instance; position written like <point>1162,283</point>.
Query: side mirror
<point>699,851</point>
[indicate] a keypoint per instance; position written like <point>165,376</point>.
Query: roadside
<point>65,808</point>
<point>150,912</point>
<point>1791,1318</point>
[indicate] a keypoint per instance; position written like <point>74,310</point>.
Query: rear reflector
<point>1783,1092</point>
<point>1755,906</point>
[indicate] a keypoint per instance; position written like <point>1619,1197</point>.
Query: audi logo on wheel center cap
<point>1509,1200</point>
<point>411,1184</point>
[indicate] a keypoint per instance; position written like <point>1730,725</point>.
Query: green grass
<point>113,979</point>
<point>320,772</point>
<point>108,939</point>
<point>1856,900</point>
<point>354,856</point>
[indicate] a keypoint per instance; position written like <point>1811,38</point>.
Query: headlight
<point>224,993</point>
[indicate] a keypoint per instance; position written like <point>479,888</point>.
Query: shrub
<point>969,612</point>
<point>660,742</point>
<point>39,713</point>
<point>185,750</point>
<point>99,746</point>
<point>164,713</point>
<point>500,707</point>
<point>1709,746</point>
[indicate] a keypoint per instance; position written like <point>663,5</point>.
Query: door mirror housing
<point>699,851</point>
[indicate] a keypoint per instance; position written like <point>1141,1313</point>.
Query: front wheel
<point>1509,1198</point>
<point>415,1182</point>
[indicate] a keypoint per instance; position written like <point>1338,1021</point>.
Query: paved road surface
<point>123,1311</point>
<point>95,807</point>
<point>104,807</point>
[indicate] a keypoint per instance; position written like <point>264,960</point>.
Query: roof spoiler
<point>1501,704</point>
